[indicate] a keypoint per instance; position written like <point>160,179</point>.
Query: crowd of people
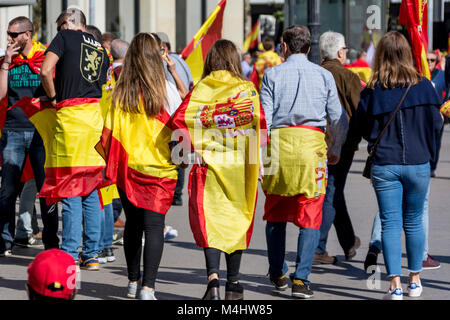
<point>100,125</point>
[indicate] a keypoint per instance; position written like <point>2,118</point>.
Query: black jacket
<point>411,137</point>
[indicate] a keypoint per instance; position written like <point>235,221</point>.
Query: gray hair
<point>330,43</point>
<point>74,16</point>
<point>119,49</point>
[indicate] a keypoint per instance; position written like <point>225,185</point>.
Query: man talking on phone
<point>20,78</point>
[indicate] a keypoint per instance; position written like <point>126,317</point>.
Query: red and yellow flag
<point>414,16</point>
<point>138,158</point>
<point>296,190</point>
<point>362,69</point>
<point>70,132</point>
<point>196,51</point>
<point>221,120</point>
<point>253,38</point>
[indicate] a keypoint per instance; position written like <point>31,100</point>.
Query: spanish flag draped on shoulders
<point>138,157</point>
<point>221,120</point>
<point>265,61</point>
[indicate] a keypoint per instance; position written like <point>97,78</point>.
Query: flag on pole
<point>211,31</point>
<point>414,16</point>
<point>253,38</point>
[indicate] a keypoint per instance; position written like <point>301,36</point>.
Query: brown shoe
<point>352,252</point>
<point>324,259</point>
<point>119,223</point>
<point>301,290</point>
<point>430,264</point>
<point>212,292</point>
<point>234,291</point>
<point>281,284</point>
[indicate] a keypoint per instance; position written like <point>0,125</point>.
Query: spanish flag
<point>253,39</point>
<point>362,69</point>
<point>196,51</point>
<point>221,120</point>
<point>265,61</point>
<point>414,16</point>
<point>70,132</point>
<point>295,191</point>
<point>138,158</point>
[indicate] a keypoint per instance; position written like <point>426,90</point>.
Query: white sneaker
<point>170,233</point>
<point>415,290</point>
<point>6,253</point>
<point>147,295</point>
<point>397,294</point>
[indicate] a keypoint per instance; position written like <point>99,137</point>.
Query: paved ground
<point>182,272</point>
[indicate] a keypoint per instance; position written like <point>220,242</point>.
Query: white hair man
<point>334,54</point>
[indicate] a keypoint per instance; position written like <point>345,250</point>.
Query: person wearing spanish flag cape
<point>221,120</point>
<point>136,145</point>
<point>73,167</point>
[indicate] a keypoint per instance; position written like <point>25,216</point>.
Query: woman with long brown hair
<point>399,116</point>
<point>221,120</point>
<point>136,146</point>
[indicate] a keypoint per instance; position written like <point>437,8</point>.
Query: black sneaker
<point>280,284</point>
<point>31,242</point>
<point>301,290</point>
<point>371,258</point>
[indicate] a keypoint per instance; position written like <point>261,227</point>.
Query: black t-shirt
<point>82,67</point>
<point>22,82</point>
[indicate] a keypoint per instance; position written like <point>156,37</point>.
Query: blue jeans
<point>276,248</point>
<point>26,210</point>
<point>401,192</point>
<point>107,228</point>
<point>15,146</point>
<point>375,241</point>
<point>78,212</point>
<point>334,206</point>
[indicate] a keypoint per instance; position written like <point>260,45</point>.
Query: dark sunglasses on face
<point>16,34</point>
<point>431,60</point>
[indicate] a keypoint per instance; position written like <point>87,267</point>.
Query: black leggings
<point>139,221</point>
<point>212,257</point>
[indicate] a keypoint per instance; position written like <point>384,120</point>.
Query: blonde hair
<point>142,77</point>
<point>393,63</point>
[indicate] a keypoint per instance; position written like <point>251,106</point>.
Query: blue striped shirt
<point>299,92</point>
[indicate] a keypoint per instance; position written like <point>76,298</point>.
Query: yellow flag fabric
<point>196,51</point>
<point>296,188</point>
<point>221,119</point>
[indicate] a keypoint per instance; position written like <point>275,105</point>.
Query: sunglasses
<point>16,34</point>
<point>431,60</point>
<point>60,26</point>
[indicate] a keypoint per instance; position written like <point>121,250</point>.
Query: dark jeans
<point>140,221</point>
<point>180,184</point>
<point>435,161</point>
<point>334,207</point>
<point>15,146</point>
<point>212,257</point>
<point>276,250</point>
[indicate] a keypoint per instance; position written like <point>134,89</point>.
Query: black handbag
<point>367,172</point>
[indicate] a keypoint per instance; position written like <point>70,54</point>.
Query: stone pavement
<point>182,274</point>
